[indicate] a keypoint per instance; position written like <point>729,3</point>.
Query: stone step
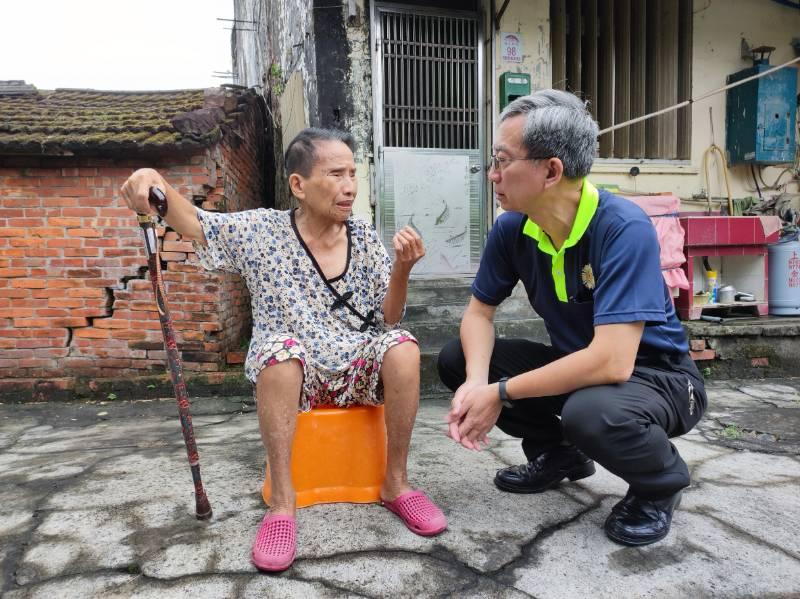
<point>513,308</point>
<point>433,314</point>
<point>429,383</point>
<point>438,291</point>
<point>430,344</point>
<point>433,335</point>
<point>446,300</point>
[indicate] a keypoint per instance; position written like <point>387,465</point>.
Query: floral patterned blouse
<point>290,297</point>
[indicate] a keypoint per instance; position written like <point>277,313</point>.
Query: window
<point>628,58</point>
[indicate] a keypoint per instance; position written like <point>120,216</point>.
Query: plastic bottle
<point>712,286</point>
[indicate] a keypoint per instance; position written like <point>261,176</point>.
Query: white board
<point>431,194</point>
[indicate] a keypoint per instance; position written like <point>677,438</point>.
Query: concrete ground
<point>96,501</point>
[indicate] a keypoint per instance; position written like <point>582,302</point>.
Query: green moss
<point>731,432</point>
<point>759,351</point>
<point>74,118</point>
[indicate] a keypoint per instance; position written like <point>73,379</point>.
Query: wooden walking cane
<point>147,222</point>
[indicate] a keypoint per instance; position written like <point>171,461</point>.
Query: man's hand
<point>453,416</point>
<point>408,248</point>
<point>136,190</point>
<point>474,411</point>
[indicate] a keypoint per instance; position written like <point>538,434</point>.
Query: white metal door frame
<point>379,134</point>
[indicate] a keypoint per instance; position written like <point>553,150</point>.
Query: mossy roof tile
<point>71,121</point>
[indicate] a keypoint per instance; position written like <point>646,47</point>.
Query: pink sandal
<point>276,543</point>
<point>418,513</point>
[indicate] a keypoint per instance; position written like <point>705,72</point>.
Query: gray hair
<point>301,155</point>
<point>557,124</point>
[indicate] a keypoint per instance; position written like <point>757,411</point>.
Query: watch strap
<point>504,398</point>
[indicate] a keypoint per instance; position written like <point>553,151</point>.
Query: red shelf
<point>739,245</point>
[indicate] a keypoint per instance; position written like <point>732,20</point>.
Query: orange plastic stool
<point>338,455</point>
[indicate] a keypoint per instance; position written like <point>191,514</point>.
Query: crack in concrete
<point>437,553</point>
<point>493,450</point>
<point>531,551</point>
<point>164,583</point>
<point>286,575</point>
<point>15,438</point>
<point>689,440</point>
<point>759,485</point>
<point>15,555</point>
<point>704,462</point>
<point>746,431</point>
<point>737,529</point>
<point>527,550</point>
<point>712,434</point>
<point>334,587</point>
<point>430,427</point>
<point>11,561</point>
<point>226,420</point>
<point>81,450</point>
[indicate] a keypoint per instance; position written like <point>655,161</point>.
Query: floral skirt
<point>358,384</point>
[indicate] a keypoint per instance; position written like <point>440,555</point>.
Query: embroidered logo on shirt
<point>587,276</point>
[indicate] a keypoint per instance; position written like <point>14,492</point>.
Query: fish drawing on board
<point>445,214</point>
<point>456,239</point>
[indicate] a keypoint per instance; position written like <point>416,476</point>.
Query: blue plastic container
<point>784,278</point>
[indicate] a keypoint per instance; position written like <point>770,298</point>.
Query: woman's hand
<point>408,248</point>
<point>182,214</point>
<point>136,190</point>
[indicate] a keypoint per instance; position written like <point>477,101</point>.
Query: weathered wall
<point>273,57</point>
<point>282,42</point>
<point>531,22</point>
<point>299,48</point>
<point>292,109</point>
<point>75,302</point>
<point>719,26</point>
<point>359,82</point>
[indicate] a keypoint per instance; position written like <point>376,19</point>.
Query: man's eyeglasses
<point>497,163</point>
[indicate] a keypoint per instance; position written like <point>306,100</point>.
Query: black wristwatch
<point>504,398</point>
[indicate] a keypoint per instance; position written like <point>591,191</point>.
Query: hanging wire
<point>700,97</point>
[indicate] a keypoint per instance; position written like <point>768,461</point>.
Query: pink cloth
<point>663,212</point>
<point>770,224</point>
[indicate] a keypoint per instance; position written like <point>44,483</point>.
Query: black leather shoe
<point>546,471</point>
<point>635,521</point>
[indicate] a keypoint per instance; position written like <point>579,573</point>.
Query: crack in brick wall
<point>75,295</point>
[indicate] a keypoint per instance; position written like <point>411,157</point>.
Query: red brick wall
<point>75,301</point>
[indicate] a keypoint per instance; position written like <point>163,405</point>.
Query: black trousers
<point>624,427</point>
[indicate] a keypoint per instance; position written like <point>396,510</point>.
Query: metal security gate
<point>428,133</point>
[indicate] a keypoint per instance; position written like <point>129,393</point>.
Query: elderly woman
<point>326,300</point>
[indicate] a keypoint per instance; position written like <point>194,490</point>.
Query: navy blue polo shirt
<point>607,271</point>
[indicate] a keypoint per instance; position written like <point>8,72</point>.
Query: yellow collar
<point>587,206</point>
